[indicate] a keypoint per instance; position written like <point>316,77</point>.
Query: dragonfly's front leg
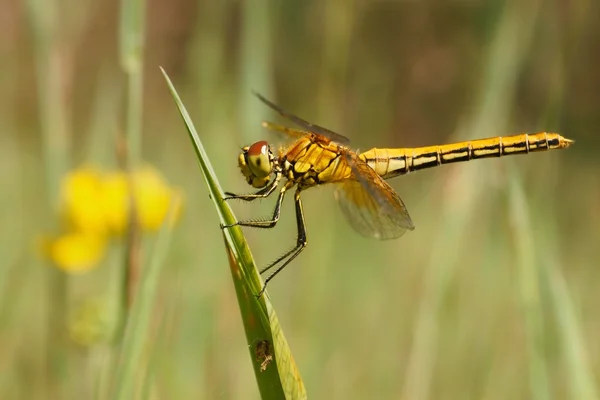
<point>301,243</point>
<point>261,194</point>
<point>269,223</point>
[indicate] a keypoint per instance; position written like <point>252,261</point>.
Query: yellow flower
<point>99,203</point>
<point>95,205</point>
<point>153,198</point>
<point>76,252</point>
<point>115,201</point>
<point>80,195</point>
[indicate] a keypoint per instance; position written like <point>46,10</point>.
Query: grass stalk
<point>506,53</point>
<point>52,67</point>
<point>578,370</point>
<point>131,368</point>
<point>529,287</point>
<point>274,366</point>
<point>132,31</point>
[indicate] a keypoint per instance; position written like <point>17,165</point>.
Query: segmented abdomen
<point>392,162</point>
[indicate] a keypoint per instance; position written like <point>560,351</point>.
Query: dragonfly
<point>320,156</point>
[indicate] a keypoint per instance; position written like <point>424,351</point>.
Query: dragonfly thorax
<point>257,163</point>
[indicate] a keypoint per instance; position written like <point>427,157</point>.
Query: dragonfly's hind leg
<point>293,253</point>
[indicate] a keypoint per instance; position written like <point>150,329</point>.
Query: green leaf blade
<point>275,370</point>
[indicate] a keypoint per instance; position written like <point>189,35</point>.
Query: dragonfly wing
<point>371,206</point>
<point>319,130</point>
<point>291,132</point>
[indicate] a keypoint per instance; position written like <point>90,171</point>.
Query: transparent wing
<point>371,206</point>
<point>319,130</point>
<point>295,133</point>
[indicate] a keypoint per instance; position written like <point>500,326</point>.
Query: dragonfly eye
<point>259,161</point>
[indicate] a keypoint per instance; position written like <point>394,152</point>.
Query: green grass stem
<point>274,367</point>
<point>132,365</point>
<point>503,61</point>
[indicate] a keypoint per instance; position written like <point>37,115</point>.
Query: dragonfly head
<point>256,163</point>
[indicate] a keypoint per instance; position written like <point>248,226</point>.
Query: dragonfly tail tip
<point>566,142</point>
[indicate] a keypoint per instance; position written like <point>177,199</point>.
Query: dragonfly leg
<point>293,253</point>
<point>261,194</point>
<point>270,223</point>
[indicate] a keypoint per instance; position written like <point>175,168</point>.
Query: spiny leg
<point>261,194</point>
<point>293,253</point>
<point>276,213</point>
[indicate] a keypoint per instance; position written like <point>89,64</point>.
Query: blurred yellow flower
<point>95,206</point>
<point>76,252</point>
<point>153,198</point>
<point>115,201</point>
<point>80,193</point>
<point>99,203</point>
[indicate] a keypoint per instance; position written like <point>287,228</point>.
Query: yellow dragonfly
<point>319,156</point>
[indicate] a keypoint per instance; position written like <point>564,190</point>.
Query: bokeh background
<point>493,296</point>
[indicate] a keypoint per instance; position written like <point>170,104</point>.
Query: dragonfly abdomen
<point>392,162</point>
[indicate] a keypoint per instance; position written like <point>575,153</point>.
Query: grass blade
<point>132,61</point>
<point>529,276</point>
<point>274,367</point>
<point>132,362</point>
<point>504,59</point>
<point>578,368</point>
<point>53,72</point>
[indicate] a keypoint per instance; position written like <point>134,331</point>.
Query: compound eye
<point>258,159</point>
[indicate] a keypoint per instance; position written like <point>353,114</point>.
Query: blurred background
<point>494,294</point>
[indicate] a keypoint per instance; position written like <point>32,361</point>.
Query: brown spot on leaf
<point>264,354</point>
